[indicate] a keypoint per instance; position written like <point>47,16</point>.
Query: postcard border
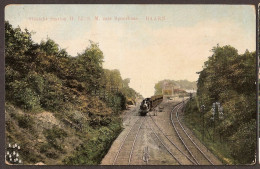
<point>2,75</point>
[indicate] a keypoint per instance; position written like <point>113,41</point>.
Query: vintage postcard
<point>130,84</point>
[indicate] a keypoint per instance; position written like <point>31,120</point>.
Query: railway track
<point>125,151</point>
<point>126,115</point>
<point>192,155</point>
<point>195,152</point>
<point>165,146</point>
<point>186,160</point>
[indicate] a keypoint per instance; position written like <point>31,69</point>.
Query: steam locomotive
<point>148,104</point>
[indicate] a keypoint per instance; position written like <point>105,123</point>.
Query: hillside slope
<point>60,109</point>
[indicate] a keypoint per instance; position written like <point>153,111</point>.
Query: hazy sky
<point>143,50</point>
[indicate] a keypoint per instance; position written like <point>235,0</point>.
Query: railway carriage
<point>148,104</point>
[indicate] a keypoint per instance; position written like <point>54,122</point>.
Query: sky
<point>174,46</point>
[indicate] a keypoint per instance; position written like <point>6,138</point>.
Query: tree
<point>89,66</point>
<point>229,78</point>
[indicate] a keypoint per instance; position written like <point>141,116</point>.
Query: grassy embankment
<point>56,139</point>
<point>194,120</point>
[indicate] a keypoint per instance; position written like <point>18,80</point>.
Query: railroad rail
<point>126,115</point>
<point>164,144</point>
<point>132,149</point>
<point>171,141</point>
<point>130,133</point>
<point>187,141</point>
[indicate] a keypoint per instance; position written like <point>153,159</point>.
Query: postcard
<point>99,84</point>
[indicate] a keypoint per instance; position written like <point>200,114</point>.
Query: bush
<point>44,148</point>
<point>25,121</point>
<point>247,145</point>
<point>93,150</point>
<point>23,96</point>
<point>52,96</point>
<point>54,135</point>
<point>52,155</point>
<point>36,82</point>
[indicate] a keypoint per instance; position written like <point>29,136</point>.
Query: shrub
<point>53,135</point>
<point>52,96</point>
<point>23,96</point>
<point>25,121</point>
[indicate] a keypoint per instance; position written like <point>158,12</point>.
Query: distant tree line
<point>179,86</point>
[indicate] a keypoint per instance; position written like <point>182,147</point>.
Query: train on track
<point>148,104</point>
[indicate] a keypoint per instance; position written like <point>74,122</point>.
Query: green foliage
<point>50,47</point>
<point>111,81</point>
<point>17,42</point>
<point>230,78</point>
<point>44,77</point>
<point>52,95</point>
<point>22,95</point>
<point>89,67</point>
<point>29,156</point>
<point>194,120</point>
<point>92,151</point>
<point>129,93</point>
<point>25,121</point>
<point>243,142</point>
<point>54,137</point>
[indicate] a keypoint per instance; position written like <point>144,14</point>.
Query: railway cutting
<point>154,134</point>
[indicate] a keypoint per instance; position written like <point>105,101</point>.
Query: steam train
<point>148,104</point>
